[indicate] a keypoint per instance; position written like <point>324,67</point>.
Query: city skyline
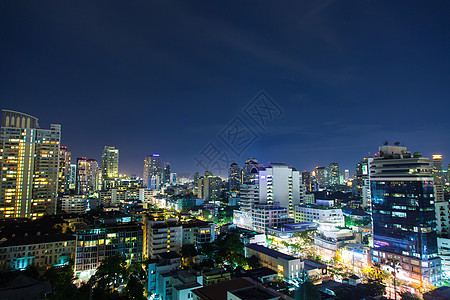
<point>161,78</point>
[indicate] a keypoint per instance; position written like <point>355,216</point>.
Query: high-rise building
<point>441,206</point>
<point>73,177</point>
<point>64,170</point>
<point>29,161</point>
<point>346,175</point>
<point>249,168</point>
<point>92,171</point>
<point>234,178</point>
<point>307,181</point>
<point>280,183</point>
<point>173,178</point>
<point>334,174</point>
<point>361,174</point>
<point>82,176</point>
<point>209,187</point>
<point>166,174</point>
<point>403,214</point>
<point>152,170</point>
<point>322,176</point>
<point>110,166</point>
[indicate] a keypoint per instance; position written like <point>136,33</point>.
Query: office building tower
<point>93,178</point>
<point>307,181</point>
<point>29,162</point>
<point>152,170</point>
<point>250,166</point>
<point>64,170</point>
<point>322,177</point>
<point>334,174</point>
<point>441,206</point>
<point>82,176</point>
<point>173,178</point>
<point>280,183</point>
<point>234,178</point>
<point>73,177</point>
<point>403,213</point>
<point>110,166</point>
<point>166,174</point>
<point>346,175</point>
<point>209,187</point>
<point>361,174</point>
<point>249,193</point>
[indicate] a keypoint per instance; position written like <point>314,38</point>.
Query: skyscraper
<point>29,164</point>
<point>64,170</point>
<point>250,166</point>
<point>441,206</point>
<point>322,176</point>
<point>152,170</point>
<point>280,183</point>
<point>110,166</point>
<point>166,174</point>
<point>234,178</point>
<point>82,176</point>
<point>403,213</point>
<point>334,173</point>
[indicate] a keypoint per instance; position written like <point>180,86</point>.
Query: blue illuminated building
<point>402,197</point>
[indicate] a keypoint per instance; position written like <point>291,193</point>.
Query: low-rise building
<point>106,236</point>
<point>330,239</point>
<point>73,204</point>
<point>287,266</point>
<point>216,275</point>
<point>444,254</point>
<point>314,213</point>
<point>268,216</point>
<point>41,250</point>
<point>171,235</point>
<point>236,289</point>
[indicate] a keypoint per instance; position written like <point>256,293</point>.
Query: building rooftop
<point>169,255</point>
<point>187,286</point>
<point>270,252</point>
<point>255,293</point>
<point>440,293</point>
<point>259,272</point>
<point>37,239</point>
<point>219,291</point>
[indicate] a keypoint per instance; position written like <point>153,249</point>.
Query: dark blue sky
<point>167,77</point>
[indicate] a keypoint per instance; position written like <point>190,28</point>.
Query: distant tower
<point>250,167</point>
<point>234,178</point>
<point>152,170</point>
<point>110,166</point>
<point>166,174</point>
<point>334,173</point>
<point>64,170</point>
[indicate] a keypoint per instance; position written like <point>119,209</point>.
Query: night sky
<point>168,77</point>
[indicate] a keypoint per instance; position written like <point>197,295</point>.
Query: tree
<point>111,273</point>
<point>188,251</point>
<point>253,262</point>
<point>62,282</point>
<point>307,291</point>
<point>409,296</point>
<point>375,287</point>
<point>135,288</point>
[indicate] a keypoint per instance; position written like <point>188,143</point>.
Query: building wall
<point>40,255</point>
<point>28,167</point>
<point>311,214</point>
